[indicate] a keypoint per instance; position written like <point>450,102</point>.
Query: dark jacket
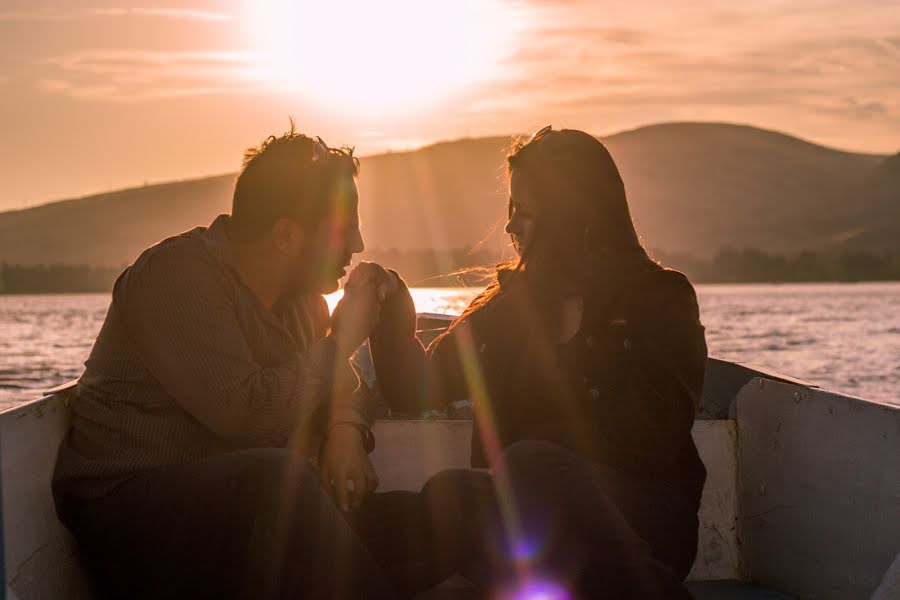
<point>624,391</point>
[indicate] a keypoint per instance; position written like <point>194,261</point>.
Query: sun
<point>372,56</point>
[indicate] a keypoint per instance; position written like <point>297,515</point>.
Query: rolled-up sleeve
<point>181,311</point>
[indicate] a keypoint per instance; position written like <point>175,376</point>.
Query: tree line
<point>56,279</point>
<point>748,265</point>
<point>464,266</point>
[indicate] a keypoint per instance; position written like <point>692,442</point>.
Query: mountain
<point>698,187</point>
<point>110,229</point>
<point>693,188</point>
<point>878,195</point>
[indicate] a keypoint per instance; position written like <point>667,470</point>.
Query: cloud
<point>50,15</point>
<point>582,61</point>
<point>746,60</point>
<point>136,75</point>
<point>563,34</point>
<point>855,108</point>
<point>189,14</point>
<point>20,16</point>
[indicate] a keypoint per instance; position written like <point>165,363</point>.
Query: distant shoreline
<point>464,267</point>
<point>447,286</point>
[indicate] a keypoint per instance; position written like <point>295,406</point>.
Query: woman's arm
<point>651,417</point>
<point>415,380</point>
<point>397,354</point>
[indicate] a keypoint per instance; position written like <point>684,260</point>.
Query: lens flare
<point>487,429</point>
<point>536,589</point>
<point>525,550</point>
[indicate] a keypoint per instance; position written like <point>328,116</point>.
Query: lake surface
<point>842,337</point>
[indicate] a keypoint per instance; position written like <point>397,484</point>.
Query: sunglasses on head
<point>321,151</point>
<point>537,135</point>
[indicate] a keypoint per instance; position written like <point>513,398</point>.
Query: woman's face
<point>522,211</point>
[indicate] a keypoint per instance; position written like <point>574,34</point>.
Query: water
<point>842,337</point>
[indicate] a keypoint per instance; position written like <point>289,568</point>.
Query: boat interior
<point>802,498</point>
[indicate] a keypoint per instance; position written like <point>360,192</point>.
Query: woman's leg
<point>250,524</point>
<point>666,520</point>
<point>565,528</point>
<point>543,520</point>
<point>393,527</point>
<point>461,518</point>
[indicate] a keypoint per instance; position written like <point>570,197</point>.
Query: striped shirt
<point>189,364</point>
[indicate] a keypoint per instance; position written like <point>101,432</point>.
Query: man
<point>216,380</point>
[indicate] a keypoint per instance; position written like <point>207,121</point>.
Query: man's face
<point>323,260</point>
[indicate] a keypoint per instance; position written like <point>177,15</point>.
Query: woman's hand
<point>386,283</point>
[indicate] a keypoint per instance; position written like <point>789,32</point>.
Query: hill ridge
<point>466,139</point>
<point>693,187</point>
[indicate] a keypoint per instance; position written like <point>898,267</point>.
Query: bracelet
<point>365,432</point>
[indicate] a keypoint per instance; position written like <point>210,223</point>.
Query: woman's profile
<point>584,361</point>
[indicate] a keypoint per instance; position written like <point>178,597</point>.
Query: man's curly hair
<point>292,175</point>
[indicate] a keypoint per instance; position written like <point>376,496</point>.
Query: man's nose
<point>357,244</point>
<point>511,226</point>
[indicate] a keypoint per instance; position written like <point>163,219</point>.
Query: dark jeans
<point>548,517</point>
<point>249,524</point>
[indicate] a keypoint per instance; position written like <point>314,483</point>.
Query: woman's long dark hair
<point>583,229</point>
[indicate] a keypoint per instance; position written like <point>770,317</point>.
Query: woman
<point>584,361</point>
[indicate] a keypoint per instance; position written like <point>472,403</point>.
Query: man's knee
<point>275,474</point>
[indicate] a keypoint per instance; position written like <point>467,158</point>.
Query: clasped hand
<point>356,314</point>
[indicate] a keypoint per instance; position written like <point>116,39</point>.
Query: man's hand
<point>345,468</point>
<point>356,313</point>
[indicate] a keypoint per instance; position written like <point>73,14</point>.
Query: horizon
<point>425,146</point>
<point>108,97</point>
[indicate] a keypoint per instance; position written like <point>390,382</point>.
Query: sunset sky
<point>96,96</point>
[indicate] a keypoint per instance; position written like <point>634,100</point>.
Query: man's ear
<point>288,236</point>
